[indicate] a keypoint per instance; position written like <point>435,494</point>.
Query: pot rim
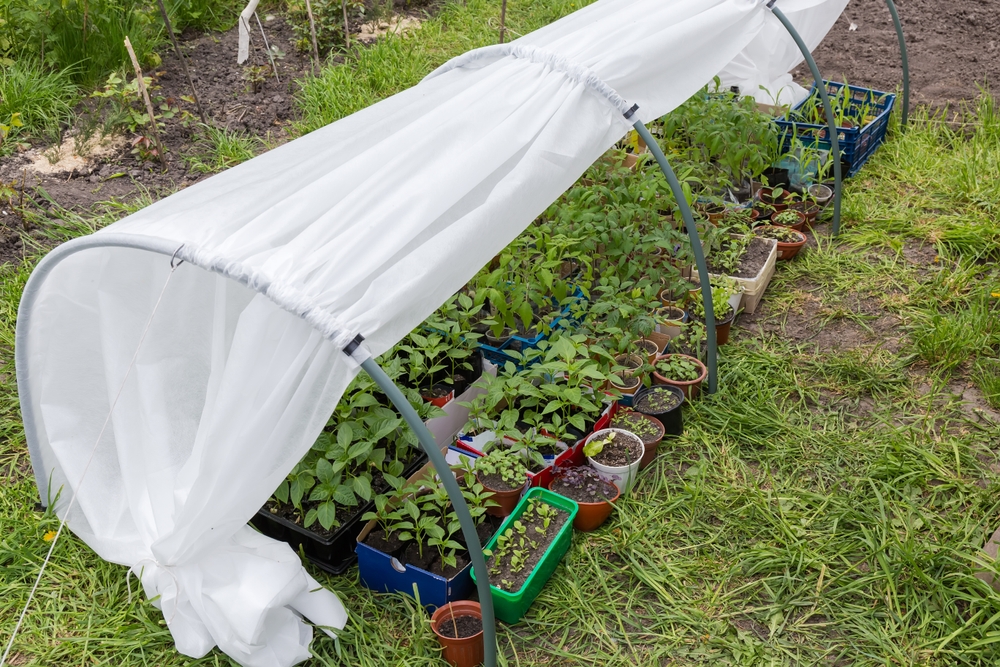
<point>682,383</point>
<point>461,608</point>
<point>642,446</point>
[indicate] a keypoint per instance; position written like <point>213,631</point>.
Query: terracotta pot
<point>461,651</point>
<point>722,328</point>
<point>507,499</point>
<point>640,347</point>
<point>764,194</point>
<point>691,388</point>
<point>591,516</point>
<point>797,226</point>
<point>787,250</point>
<point>651,447</point>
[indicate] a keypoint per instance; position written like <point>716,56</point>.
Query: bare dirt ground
<point>953,47</point>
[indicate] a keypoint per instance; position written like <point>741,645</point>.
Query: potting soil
<point>463,626</point>
<point>621,451</point>
<point>500,571</point>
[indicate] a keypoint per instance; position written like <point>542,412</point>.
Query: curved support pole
<point>832,123</point>
<point>902,54</point>
<point>457,500</point>
<point>699,255</point>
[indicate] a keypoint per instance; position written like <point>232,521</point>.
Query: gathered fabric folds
<point>362,227</point>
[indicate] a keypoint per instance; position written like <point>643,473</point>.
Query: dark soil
<point>621,451</point>
<point>604,491</point>
<point>753,259</point>
<point>265,110</point>
<point>467,626</point>
<point>952,46</point>
<point>657,402</point>
<point>647,346</point>
<point>377,539</point>
<point>495,483</point>
<point>412,556</point>
<point>646,427</point>
<point>517,579</point>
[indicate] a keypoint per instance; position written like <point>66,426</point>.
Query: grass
<point>827,507</point>
<point>43,98</point>
<point>221,148</point>
<point>392,65</point>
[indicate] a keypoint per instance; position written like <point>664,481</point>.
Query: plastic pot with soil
<point>647,348</point>
<point>504,473</point>
<point>821,193</point>
<point>790,241</point>
<point>593,493</point>
<point>663,402</point>
<point>458,627</point>
<point>648,428</point>
<point>517,573</point>
<point>777,198</point>
<point>626,379</point>
<point>670,320</point>
<point>681,371</point>
<point>616,454</point>
<point>794,219</point>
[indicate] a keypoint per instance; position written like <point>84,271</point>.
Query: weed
<point>220,149</point>
<point>43,99</point>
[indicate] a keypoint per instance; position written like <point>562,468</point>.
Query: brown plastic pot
<point>460,651</point>
<point>791,249</point>
<point>722,328</point>
<point>764,194</point>
<point>797,226</point>
<point>591,516</point>
<point>651,447</point>
<point>691,388</point>
<point>507,499</point>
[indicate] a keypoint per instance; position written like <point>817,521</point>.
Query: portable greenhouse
<point>175,366</point>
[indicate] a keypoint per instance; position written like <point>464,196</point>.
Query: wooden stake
<point>145,98</point>
<point>312,34</point>
<point>177,50</point>
<point>503,20</point>
<point>347,28</point>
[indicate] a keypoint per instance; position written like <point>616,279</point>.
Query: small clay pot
<point>723,327</point>
<point>797,226</point>
<point>691,388</point>
<point>787,250</point>
<point>651,447</point>
<point>647,348</point>
<point>765,194</point>
<point>459,651</point>
<point>507,499</point>
<point>591,516</point>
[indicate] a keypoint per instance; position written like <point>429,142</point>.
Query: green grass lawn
<point>827,507</point>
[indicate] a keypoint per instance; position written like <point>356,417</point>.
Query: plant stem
<point>177,50</point>
<point>503,19</point>
<point>347,28</point>
<point>312,36</point>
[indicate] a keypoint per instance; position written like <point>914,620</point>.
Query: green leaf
<point>344,435</point>
<point>362,487</point>
<point>345,495</point>
<point>325,471</point>
<point>327,514</point>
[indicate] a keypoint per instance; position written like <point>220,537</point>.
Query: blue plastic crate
<point>856,143</point>
<point>499,355</point>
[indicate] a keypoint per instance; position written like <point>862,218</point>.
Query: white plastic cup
<point>622,476</point>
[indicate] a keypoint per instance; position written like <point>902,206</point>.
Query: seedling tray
<point>856,143</point>
<point>753,288</point>
<point>333,554</point>
<point>511,607</point>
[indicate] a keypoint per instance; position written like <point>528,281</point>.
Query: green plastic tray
<point>510,607</point>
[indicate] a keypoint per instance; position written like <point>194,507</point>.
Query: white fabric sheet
<point>762,68</point>
<point>364,226</point>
